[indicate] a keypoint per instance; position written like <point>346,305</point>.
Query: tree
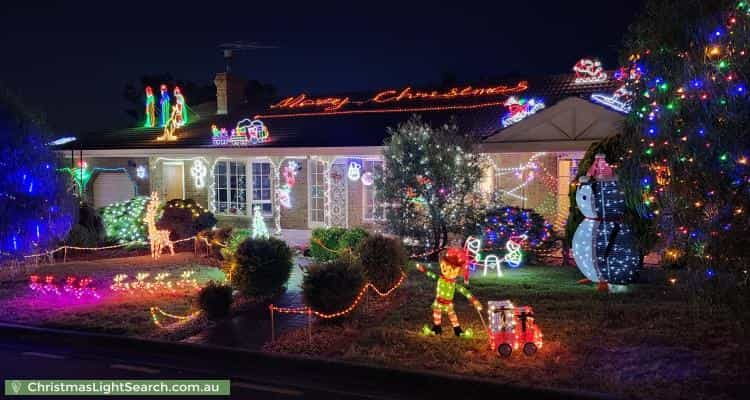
<point>258,94</point>
<point>36,207</point>
<point>689,132</point>
<point>428,173</point>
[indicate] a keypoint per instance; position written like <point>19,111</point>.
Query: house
<point>307,161</point>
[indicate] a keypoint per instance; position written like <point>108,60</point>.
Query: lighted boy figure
<point>452,264</point>
<point>164,102</point>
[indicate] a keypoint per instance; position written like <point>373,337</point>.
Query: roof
<point>362,119</point>
<point>571,124</point>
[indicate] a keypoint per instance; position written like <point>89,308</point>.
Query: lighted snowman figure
<point>584,246</point>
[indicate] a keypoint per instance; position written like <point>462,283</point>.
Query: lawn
<point>114,312</point>
<point>647,343</point>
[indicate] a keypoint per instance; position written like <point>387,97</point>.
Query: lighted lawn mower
<point>512,328</point>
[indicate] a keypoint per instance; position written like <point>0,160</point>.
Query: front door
<point>173,180</point>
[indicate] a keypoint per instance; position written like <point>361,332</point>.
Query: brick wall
<point>541,193</point>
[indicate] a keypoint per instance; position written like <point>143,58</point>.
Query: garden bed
<point>114,312</point>
<point>647,343</point>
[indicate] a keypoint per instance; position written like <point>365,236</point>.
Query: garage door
<point>111,187</point>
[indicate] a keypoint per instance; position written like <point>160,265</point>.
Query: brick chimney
<point>229,92</point>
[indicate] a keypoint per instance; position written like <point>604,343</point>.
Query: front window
<point>230,188</point>
<point>317,192</point>
<point>372,209</point>
<point>262,186</point>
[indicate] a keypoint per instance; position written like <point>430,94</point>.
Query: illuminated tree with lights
<point>36,207</point>
<point>428,173</point>
<point>689,132</point>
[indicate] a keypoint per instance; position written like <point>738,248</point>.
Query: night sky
<point>72,61</point>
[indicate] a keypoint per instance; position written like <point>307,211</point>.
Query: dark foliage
<point>185,218</point>
<point>383,260</point>
<point>36,208</point>
<point>260,267</point>
<point>215,300</point>
<point>333,286</point>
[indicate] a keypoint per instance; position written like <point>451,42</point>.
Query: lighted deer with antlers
<point>159,238</point>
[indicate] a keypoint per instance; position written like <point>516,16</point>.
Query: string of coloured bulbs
<point>156,312</point>
<point>61,248</point>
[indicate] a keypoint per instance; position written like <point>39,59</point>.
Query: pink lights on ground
<point>79,289</point>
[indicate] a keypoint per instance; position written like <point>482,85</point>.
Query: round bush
<point>383,260</point>
<point>215,300</point>
<point>333,286</point>
<point>260,267</point>
<point>185,218</point>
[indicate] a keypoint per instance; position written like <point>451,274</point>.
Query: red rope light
<point>347,310</point>
<point>383,110</point>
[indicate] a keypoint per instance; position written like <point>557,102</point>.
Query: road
<point>37,353</point>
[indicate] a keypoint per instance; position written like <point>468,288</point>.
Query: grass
<point>114,313</point>
<point>647,343</point>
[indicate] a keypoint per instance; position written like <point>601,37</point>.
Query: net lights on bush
<point>513,327</point>
<point>518,109</point>
<point>515,231</point>
<point>123,221</point>
<point>247,132</point>
<point>589,71</point>
<point>73,287</point>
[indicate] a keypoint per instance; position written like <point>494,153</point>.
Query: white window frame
<point>228,175</point>
<point>369,191</point>
<point>312,166</point>
<point>252,189</point>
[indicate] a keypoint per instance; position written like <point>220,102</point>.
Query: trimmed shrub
<point>123,221</point>
<point>502,223</point>
<point>215,300</point>
<point>214,237</point>
<point>185,218</point>
<point>260,267</point>
<point>330,238</point>
<point>82,237</point>
<point>335,239</point>
<point>352,238</point>
<point>331,287</point>
<point>383,260</point>
<point>88,230</point>
<point>236,236</point>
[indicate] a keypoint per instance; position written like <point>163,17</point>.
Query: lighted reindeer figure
<point>159,238</point>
